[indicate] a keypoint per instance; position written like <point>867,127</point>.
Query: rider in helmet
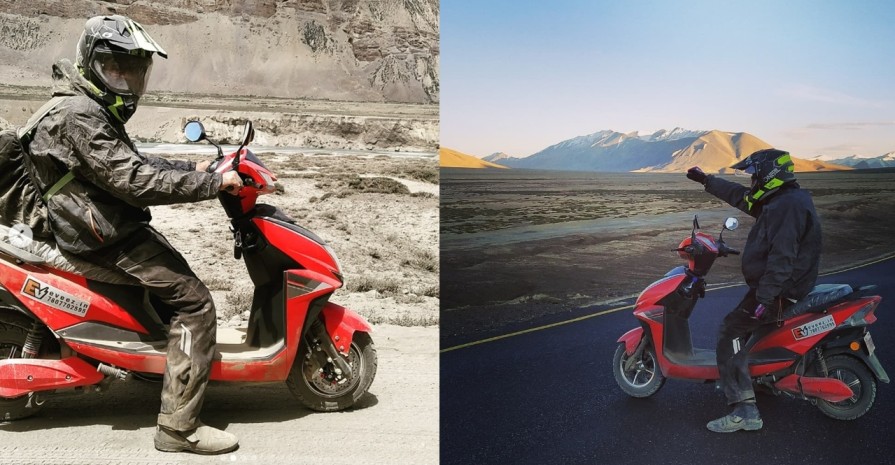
<point>98,188</point>
<point>115,55</point>
<point>779,262</point>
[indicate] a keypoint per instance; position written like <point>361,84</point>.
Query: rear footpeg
<point>113,372</point>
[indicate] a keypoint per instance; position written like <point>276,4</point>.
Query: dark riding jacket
<point>113,184</point>
<point>782,253</point>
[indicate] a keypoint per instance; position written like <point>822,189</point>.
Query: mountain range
<point>859,163</point>
<point>663,151</point>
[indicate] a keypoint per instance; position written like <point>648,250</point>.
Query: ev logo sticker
<point>56,298</point>
<point>814,328</point>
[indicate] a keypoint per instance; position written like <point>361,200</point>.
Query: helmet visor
<point>122,72</point>
<point>747,171</point>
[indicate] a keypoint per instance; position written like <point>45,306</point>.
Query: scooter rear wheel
<point>643,377</point>
<point>13,331</point>
<point>855,374</point>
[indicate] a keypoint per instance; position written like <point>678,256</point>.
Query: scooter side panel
<point>60,302</point>
<point>303,249</point>
<point>802,333</point>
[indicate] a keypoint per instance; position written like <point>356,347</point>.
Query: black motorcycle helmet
<point>115,54</point>
<point>770,170</point>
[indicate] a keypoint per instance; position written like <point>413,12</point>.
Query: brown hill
<point>803,166</point>
<point>453,159</point>
<point>715,151</point>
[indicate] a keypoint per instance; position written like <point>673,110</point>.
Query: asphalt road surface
<point>549,396</point>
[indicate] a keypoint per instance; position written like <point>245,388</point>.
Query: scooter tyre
<point>849,369</point>
<point>636,384</point>
<point>314,399</point>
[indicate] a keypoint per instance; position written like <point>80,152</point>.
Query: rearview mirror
<point>248,134</point>
<point>731,223</point>
<point>194,131</point>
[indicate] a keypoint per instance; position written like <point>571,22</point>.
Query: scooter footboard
<point>341,324</point>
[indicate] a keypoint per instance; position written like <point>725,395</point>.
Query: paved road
<point>549,396</point>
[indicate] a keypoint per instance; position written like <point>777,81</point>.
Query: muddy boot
<point>744,417</point>
<point>201,440</point>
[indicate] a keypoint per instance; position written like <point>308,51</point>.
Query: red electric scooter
<point>61,333</point>
<point>819,350</point>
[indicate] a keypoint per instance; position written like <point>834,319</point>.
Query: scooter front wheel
<point>640,377</point>
<point>314,385</point>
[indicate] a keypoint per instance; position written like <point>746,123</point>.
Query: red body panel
<point>657,290</point>
<point>631,339</point>
<point>786,336</point>
<point>310,254</point>
<point>341,324</point>
<point>828,389</point>
<point>101,309</point>
<point>19,376</point>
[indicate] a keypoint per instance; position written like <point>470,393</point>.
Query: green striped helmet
<point>770,170</point>
<point>115,53</point>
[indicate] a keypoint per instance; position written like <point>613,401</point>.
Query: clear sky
<point>812,77</point>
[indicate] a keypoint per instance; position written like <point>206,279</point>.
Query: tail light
<point>864,316</point>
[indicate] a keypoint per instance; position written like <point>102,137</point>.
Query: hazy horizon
<point>811,78</point>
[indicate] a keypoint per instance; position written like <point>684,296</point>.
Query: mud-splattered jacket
<point>113,184</point>
<point>782,253</point>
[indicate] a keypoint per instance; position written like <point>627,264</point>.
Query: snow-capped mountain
<point>497,157</point>
<point>858,163</point>
<point>661,151</point>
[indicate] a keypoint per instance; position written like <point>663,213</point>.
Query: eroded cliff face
<point>362,50</point>
<point>343,132</point>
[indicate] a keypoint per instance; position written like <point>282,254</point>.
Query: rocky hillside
<point>661,152</point>
<point>355,50</point>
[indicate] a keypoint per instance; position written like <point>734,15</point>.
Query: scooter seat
<point>817,299</point>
